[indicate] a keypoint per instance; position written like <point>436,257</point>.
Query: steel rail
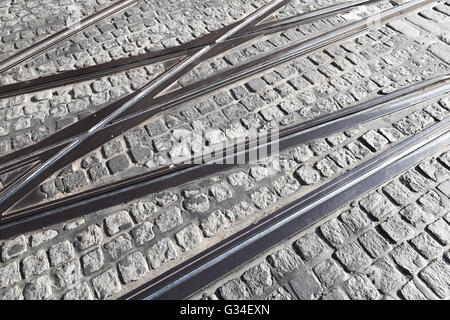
<point>31,217</point>
<point>188,277</point>
<point>63,34</point>
<point>124,64</point>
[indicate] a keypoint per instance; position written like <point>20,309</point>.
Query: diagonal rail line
<point>134,113</point>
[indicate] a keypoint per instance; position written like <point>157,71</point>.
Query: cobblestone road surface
<point>392,243</point>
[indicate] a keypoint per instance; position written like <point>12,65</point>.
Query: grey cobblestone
<point>133,267</point>
<point>342,150</point>
<point>106,284</point>
<point>36,264</point>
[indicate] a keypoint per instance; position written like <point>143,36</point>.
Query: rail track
<point>34,164</point>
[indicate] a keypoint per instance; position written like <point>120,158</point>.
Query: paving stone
<point>38,289</point>
<point>214,223</point>
<point>285,185</point>
<point>118,246</point>
<point>426,245</point>
<point>117,222</point>
<point>445,188</point>
<point>36,264</point>
<point>79,292</point>
<point>411,292</point>
<point>377,206</point>
<point>239,211</point>
<point>197,204</point>
<point>220,191</point>
<point>284,261</point>
<point>260,172</point>
<point>13,293</point>
<point>141,154</point>
<point>189,237</point>
<point>142,210</point>
<point>329,272</point>
<point>391,134</point>
<point>415,215</point>
<point>415,181</point>
<point>241,179</point>
<point>263,197</point>
<point>307,175</point>
<point>169,219</point>
<point>306,286</point>
<point>280,294</point>
<point>143,233</point>
<point>335,232</point>
<point>353,257</point>
<point>13,248</point>
<point>132,268</point>
<point>234,290</point>
<point>407,258</point>
<point>437,276</point>
<point>396,229</point>
<point>97,172</point>
<point>302,153</point>
<point>441,231</point>
<point>61,252</point>
<point>434,170</point>
<point>374,140</point>
<point>374,243</point>
<point>335,294</point>
<point>88,238</point>
<point>9,274</point>
<point>118,164</point>
<point>355,220</point>
<point>398,192</point>
<point>343,157</point>
<point>327,167</point>
<point>358,149</point>
<point>359,287</point>
<point>39,238</point>
<point>405,28</point>
<point>92,261</point>
<point>441,50</point>
<point>165,198</point>
<point>161,252</point>
<point>311,247</point>
<point>385,275</point>
<point>258,279</point>
<point>433,203</point>
<point>67,274</point>
<point>106,284</point>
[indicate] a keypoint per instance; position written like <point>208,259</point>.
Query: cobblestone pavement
<point>391,243</point>
<point>336,77</point>
<point>23,23</point>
